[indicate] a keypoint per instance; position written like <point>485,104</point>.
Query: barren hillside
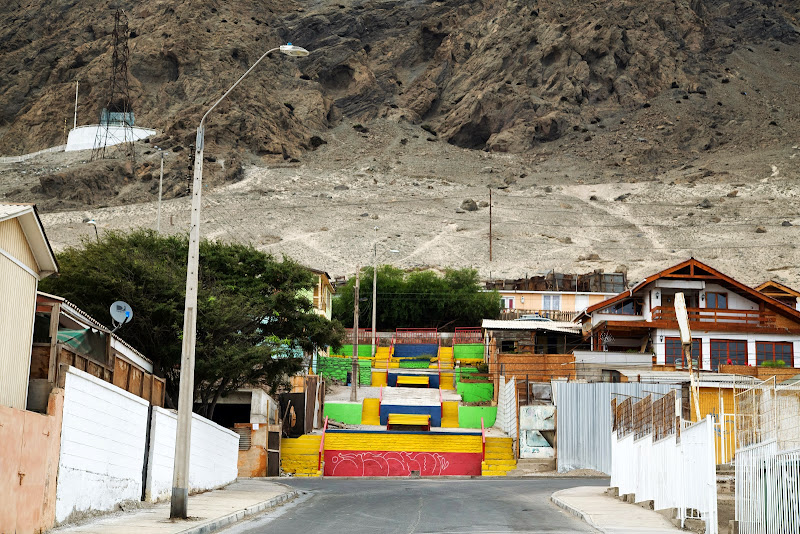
<point>613,133</point>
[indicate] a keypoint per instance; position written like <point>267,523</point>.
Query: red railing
<point>416,335</point>
<point>467,335</point>
<point>483,442</point>
<point>322,444</point>
<point>710,316</point>
<point>364,336</point>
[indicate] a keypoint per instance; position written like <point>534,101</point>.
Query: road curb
<point>237,516</point>
<point>574,511</point>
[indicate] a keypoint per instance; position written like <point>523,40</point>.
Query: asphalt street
<point>353,506</point>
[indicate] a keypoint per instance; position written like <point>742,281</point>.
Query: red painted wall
<point>393,463</point>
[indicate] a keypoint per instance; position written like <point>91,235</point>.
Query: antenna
<point>121,313</point>
<point>118,112</point>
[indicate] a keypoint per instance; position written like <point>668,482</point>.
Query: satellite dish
<point>121,313</point>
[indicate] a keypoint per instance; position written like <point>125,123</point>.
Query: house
<point>535,350</point>
<point>557,296</point>
<point>780,292</point>
<point>64,335</point>
<point>322,295</point>
<point>25,258</point>
<point>731,323</point>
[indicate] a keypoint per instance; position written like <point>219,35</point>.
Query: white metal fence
<point>676,471</point>
<point>768,459</point>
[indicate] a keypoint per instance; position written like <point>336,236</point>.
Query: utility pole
<point>374,289</point>
<point>686,340</point>
<point>75,118</point>
<point>160,187</point>
<point>354,377</point>
<point>490,223</point>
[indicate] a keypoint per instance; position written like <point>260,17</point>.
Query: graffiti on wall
<point>396,463</point>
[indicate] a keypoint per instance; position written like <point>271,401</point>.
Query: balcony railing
<point>555,315</point>
<point>708,316</point>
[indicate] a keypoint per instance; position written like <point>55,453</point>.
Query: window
<point>507,302</point>
<point>551,302</point>
<point>717,301</point>
<point>722,351</point>
<point>673,351</point>
<point>767,351</point>
<point>625,307</point>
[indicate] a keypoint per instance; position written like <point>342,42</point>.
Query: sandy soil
<point>566,212</point>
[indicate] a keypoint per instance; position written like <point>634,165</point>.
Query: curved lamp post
<point>180,475</point>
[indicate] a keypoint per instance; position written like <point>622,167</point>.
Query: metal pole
<point>160,188</point>
<point>354,377</point>
<point>374,291</point>
<point>180,475</point>
<point>75,119</point>
<point>490,224</point>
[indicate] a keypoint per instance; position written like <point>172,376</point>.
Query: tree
<point>419,299</point>
<point>253,324</point>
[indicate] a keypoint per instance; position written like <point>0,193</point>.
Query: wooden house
<point>780,292</point>
<point>731,323</point>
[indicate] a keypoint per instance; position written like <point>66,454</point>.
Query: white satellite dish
<point>121,313</point>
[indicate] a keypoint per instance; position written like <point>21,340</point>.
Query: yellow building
<point>25,258</point>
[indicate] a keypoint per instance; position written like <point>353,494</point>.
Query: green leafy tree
<point>253,325</point>
<point>418,299</point>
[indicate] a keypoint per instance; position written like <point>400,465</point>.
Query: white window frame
<point>551,302</point>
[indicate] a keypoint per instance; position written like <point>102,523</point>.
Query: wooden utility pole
<point>354,377</point>
<point>686,341</point>
<point>490,224</point>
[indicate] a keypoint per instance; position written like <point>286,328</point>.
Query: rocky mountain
<point>677,92</point>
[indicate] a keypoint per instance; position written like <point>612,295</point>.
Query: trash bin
<point>349,378</point>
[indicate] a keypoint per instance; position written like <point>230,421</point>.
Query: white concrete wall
<point>213,457</point>
<point>84,137</point>
<point>102,446</point>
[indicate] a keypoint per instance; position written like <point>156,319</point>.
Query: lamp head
<point>92,222</point>
<point>295,51</point>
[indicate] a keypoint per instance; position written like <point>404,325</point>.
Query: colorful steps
<point>371,412</point>
<point>446,362</point>
<point>300,456</point>
<point>499,458</point>
<point>450,414</point>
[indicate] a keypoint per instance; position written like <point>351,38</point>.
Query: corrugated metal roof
<point>564,327</point>
<point>8,211</point>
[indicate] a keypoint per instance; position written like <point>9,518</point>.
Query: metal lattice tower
<point>118,112</point>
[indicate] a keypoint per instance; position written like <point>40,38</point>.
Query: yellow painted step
<point>379,378</point>
<point>300,455</point>
<point>371,412</point>
<point>450,414</point>
<point>446,381</point>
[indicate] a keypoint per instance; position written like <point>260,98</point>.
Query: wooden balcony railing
<point>708,316</point>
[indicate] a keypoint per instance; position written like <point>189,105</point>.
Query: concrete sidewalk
<point>610,515</point>
<point>210,511</point>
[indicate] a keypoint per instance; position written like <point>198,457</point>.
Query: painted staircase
<point>450,414</point>
<point>380,366</point>
<point>371,412</point>
<point>300,456</point>
<point>499,458</point>
<point>445,362</point>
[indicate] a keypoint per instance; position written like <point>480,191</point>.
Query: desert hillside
<point>619,133</point>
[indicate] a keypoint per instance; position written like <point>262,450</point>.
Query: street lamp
<point>180,475</point>
<point>160,188</point>
<point>92,222</point>
<point>375,287</point>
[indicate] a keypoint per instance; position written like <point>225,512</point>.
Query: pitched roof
<point>697,270</point>
<point>31,224</point>
<point>776,289</point>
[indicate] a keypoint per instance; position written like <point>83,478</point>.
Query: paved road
<point>349,506</point>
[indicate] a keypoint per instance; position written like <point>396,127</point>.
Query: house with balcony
<point>556,296</point>
<point>321,296</point>
<point>778,291</point>
<point>731,323</point>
